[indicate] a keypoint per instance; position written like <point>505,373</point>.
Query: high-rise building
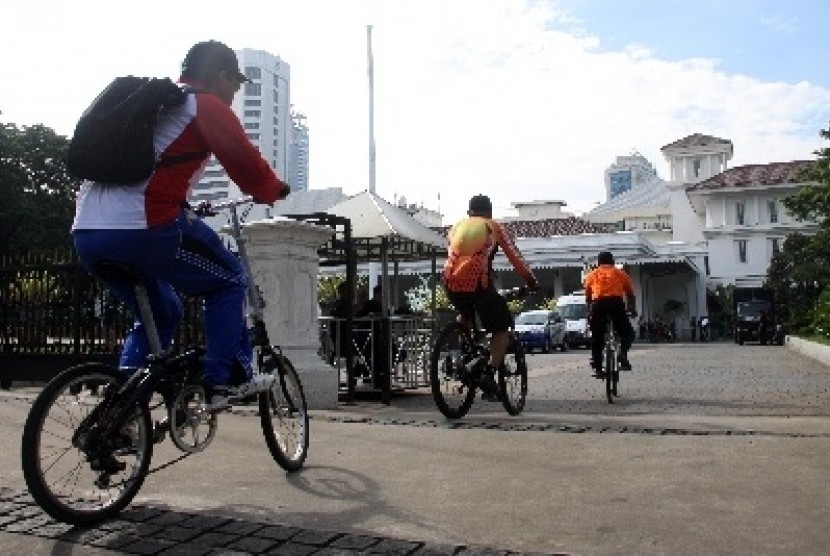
<point>298,166</point>
<point>626,173</point>
<point>264,108</point>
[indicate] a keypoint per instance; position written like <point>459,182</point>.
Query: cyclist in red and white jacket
<point>148,226</point>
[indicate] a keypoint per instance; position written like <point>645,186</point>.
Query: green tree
<point>799,272</point>
<point>797,275</point>
<point>812,202</point>
<point>37,192</point>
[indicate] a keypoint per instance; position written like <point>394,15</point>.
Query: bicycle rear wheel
<point>74,476</point>
<point>284,415</point>
<point>610,367</point>
<point>513,378</point>
<point>450,373</point>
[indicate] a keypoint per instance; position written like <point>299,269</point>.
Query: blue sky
<point>773,40</point>
<point>521,99</point>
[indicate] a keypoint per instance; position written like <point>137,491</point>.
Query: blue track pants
<point>185,256</point>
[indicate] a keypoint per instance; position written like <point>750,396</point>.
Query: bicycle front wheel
<point>284,416</point>
<point>513,378</point>
<point>450,375</point>
<point>75,476</point>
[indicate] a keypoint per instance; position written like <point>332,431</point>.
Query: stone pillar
<point>285,264</point>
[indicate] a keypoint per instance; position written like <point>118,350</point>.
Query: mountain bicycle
<point>88,439</point>
<point>458,361</point>
<point>610,357</point>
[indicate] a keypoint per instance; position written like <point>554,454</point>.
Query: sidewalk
<point>726,457</point>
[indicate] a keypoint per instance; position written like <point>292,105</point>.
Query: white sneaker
<point>223,396</point>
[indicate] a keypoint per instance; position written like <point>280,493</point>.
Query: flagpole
<point>371,72</point>
<point>373,267</point>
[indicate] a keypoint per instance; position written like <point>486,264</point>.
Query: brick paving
<point>143,529</point>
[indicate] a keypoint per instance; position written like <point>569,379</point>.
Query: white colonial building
<point>742,221</point>
<point>708,226</point>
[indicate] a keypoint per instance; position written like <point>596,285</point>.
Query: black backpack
<point>113,140</point>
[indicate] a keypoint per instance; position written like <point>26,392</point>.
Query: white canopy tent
<point>384,233</point>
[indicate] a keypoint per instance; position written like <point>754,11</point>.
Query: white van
<point>574,310</point>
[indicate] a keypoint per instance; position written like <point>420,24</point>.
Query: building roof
<point>547,227</point>
<point>754,175</point>
<point>647,199</point>
<point>696,140</point>
<point>553,227</point>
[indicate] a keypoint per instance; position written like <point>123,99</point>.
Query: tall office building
<point>628,172</point>
<point>264,108</point>
<point>298,167</point>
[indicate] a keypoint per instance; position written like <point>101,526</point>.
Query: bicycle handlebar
<point>514,293</point>
<point>206,208</point>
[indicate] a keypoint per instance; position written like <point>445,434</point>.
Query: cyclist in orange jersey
<point>609,291</point>
<point>467,276</point>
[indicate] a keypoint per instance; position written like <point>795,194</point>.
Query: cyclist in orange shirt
<point>468,278</point>
<point>609,291</point>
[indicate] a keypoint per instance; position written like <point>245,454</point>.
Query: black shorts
<point>488,304</point>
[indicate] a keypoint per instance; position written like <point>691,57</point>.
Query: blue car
<point>541,329</point>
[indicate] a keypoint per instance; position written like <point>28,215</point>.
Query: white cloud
<point>470,96</point>
<point>787,24</point>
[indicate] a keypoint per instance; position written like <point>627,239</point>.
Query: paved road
<point>711,448</point>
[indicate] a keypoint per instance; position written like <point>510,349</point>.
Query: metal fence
<point>395,348</point>
<point>53,314</point>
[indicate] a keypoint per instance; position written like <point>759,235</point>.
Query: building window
<point>740,209</point>
<point>251,125</point>
<point>696,167</point>
<point>774,245</point>
<point>253,89</point>
<point>253,72</point>
<point>741,245</point>
<point>773,211</point>
<point>253,102</point>
<point>253,136</point>
<point>252,113</point>
<point>276,79</point>
<point>706,264</point>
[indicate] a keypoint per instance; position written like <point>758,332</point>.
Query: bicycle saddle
<point>111,271</point>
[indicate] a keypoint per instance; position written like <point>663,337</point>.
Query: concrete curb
<point>814,350</point>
